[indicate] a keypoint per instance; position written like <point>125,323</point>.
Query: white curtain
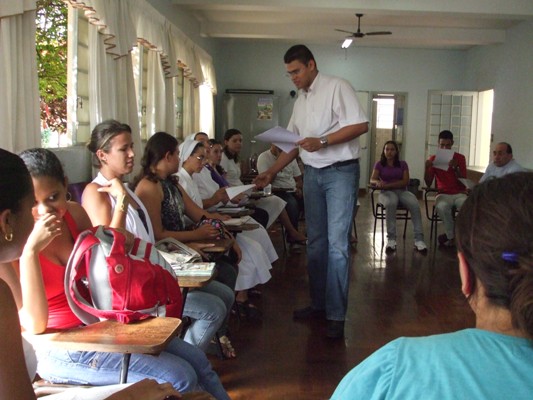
<point>124,22</point>
<point>170,108</point>
<point>191,108</point>
<point>19,90</point>
<point>207,111</point>
<point>156,110</point>
<point>112,88</point>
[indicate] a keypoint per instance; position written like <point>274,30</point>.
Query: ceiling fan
<point>348,41</point>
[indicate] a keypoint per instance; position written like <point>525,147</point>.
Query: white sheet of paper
<point>237,190</point>
<point>468,183</point>
<point>442,159</point>
<point>281,137</point>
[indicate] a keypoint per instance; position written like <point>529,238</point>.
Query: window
<point>468,116</point>
<point>78,120</point>
<point>51,47</point>
<point>207,115</point>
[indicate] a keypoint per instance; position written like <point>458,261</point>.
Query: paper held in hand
<point>234,191</point>
<point>281,137</point>
<point>443,158</point>
<point>194,269</point>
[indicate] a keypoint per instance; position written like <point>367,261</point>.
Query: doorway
<point>387,122</point>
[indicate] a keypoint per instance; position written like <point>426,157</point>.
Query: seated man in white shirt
<point>288,181</point>
<point>502,162</point>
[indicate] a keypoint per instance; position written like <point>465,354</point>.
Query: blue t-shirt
<point>468,364</point>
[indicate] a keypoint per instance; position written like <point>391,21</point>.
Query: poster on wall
<point>265,105</point>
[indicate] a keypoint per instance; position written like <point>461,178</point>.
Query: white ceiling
<point>436,24</point>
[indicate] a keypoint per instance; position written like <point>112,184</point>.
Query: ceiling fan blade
<point>341,30</point>
<point>378,33</point>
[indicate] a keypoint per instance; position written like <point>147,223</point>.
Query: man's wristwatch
<point>324,142</point>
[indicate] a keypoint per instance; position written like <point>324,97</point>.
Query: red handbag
<point>103,281</point>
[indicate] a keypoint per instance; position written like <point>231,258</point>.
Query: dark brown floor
<point>404,294</point>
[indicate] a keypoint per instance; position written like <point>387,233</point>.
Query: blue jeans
<point>390,199</point>
<point>224,293</point>
<point>182,364</point>
<point>445,204</point>
<point>330,195</point>
<point>209,308</point>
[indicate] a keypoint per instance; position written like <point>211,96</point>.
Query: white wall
<point>508,69</point>
<point>259,65</point>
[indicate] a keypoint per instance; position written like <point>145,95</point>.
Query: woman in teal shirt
<point>494,360</point>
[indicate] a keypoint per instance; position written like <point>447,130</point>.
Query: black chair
<point>378,210</point>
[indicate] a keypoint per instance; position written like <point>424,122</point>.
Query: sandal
<point>254,292</point>
<point>227,349</point>
<point>249,311</point>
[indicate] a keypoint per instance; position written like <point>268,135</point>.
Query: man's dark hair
<point>446,134</point>
<point>509,148</point>
<point>298,52</point>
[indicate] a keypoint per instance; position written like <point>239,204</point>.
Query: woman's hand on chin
<point>46,229</point>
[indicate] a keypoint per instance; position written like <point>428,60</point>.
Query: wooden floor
<point>404,294</point>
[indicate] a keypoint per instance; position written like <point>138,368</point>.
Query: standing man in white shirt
<point>502,162</point>
<point>329,118</point>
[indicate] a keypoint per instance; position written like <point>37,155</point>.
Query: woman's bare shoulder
<point>79,215</point>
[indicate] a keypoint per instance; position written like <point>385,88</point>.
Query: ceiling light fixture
<point>347,42</point>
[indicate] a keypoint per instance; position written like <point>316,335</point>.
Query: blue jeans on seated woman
<point>209,309</point>
<point>390,199</point>
<point>185,366</point>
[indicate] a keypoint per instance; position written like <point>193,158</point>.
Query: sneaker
<point>420,246</point>
<point>391,245</point>
<point>449,243</point>
<point>335,329</point>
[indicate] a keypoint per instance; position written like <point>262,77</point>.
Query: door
<point>387,123</point>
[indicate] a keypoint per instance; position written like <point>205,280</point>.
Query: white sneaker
<point>420,245</point>
<point>391,245</point>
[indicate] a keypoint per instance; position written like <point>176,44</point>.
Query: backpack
<point>102,281</point>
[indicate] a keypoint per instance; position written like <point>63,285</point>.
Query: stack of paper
<point>237,221</point>
<point>230,209</point>
<point>194,269</point>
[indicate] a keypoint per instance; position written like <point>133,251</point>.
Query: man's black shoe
<point>308,313</point>
<point>335,329</point>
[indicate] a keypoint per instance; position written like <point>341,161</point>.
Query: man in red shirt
<point>452,193</point>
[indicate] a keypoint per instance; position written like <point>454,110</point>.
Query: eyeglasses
<point>291,74</point>
<point>200,158</point>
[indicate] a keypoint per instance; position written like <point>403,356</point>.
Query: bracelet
<point>122,205</point>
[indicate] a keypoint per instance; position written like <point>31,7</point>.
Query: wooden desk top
<point>243,227</point>
<point>149,336</point>
<point>191,282</point>
<point>237,214</point>
<point>221,245</point>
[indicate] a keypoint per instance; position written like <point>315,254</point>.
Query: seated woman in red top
<point>392,176</point>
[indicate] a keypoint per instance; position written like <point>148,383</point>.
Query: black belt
<point>342,163</point>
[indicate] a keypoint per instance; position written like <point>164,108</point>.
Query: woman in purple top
<point>391,176</point>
